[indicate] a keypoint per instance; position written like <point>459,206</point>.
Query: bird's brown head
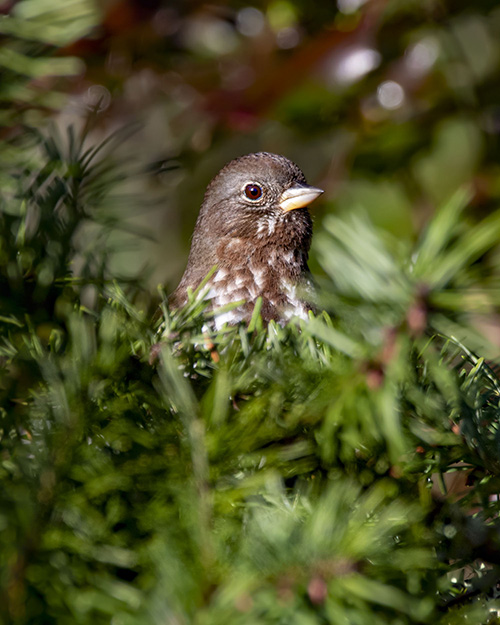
<point>256,194</point>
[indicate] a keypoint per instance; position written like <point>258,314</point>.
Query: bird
<point>254,227</point>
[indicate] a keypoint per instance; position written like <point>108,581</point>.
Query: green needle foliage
<point>30,37</point>
<point>155,471</point>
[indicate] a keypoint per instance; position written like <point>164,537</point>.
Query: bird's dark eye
<point>253,191</point>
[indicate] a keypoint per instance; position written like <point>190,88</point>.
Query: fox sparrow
<point>254,226</point>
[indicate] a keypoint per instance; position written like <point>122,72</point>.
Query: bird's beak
<point>298,196</point>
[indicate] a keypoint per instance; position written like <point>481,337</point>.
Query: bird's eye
<point>253,191</point>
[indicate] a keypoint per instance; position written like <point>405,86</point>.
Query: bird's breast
<point>276,275</point>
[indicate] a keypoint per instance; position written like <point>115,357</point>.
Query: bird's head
<point>254,194</point>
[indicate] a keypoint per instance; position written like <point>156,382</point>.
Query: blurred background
<point>389,105</point>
